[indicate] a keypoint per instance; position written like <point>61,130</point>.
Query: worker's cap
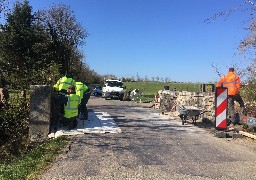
<point>231,69</point>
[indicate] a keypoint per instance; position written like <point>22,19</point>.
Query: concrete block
<point>40,112</point>
<point>237,135</point>
<point>221,134</point>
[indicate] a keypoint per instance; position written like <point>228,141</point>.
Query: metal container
<point>166,87</point>
<point>251,122</point>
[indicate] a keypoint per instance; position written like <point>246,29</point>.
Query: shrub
<point>14,128</point>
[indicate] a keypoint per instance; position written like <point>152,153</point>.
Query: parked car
<point>97,91</point>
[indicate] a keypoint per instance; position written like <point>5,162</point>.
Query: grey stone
<point>40,112</point>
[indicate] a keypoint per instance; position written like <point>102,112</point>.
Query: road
<point>152,146</point>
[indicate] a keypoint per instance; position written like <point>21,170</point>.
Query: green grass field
<point>150,89</point>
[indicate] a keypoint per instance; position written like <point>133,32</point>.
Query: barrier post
<point>221,105</point>
<point>157,101</point>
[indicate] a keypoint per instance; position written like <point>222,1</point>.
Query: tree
<point>167,79</point>
<point>17,40</point>
<point>109,76</point>
<point>3,7</point>
<point>65,35</point>
<point>245,6</point>
<point>146,78</point>
<point>39,46</point>
<point>137,77</point>
<point>249,41</point>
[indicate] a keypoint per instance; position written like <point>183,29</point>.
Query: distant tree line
<point>154,79</point>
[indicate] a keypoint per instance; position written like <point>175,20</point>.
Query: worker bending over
<point>63,83</point>
<point>232,81</point>
<point>84,93</point>
<point>71,108</point>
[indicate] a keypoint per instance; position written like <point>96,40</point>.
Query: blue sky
<point>164,38</point>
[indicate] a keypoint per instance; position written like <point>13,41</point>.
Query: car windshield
<point>114,84</point>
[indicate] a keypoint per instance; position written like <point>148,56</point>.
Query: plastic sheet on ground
<point>98,122</point>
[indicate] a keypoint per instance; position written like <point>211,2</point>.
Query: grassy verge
<point>31,164</point>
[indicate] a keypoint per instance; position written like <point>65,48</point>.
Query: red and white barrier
<point>221,105</point>
<point>156,98</point>
<point>173,106</point>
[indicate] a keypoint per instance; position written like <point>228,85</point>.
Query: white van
<point>112,89</point>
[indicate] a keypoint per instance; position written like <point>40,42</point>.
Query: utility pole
<point>137,76</point>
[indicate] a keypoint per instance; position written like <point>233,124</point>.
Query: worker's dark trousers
<point>57,110</point>
<point>82,106</point>
<point>231,108</point>
<point>70,122</point>
<point>83,111</point>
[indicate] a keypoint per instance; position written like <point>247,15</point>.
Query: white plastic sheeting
<point>98,122</point>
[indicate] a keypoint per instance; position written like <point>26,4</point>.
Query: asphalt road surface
<point>152,146</point>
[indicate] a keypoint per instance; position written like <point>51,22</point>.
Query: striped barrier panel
<point>221,105</point>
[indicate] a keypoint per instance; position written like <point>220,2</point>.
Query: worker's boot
<point>85,115</point>
<point>236,118</point>
<point>230,122</point>
<point>70,126</point>
<point>75,123</point>
<point>244,112</point>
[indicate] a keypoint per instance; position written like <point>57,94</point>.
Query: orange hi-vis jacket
<point>231,81</point>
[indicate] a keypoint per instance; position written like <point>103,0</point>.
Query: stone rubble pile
<point>168,101</point>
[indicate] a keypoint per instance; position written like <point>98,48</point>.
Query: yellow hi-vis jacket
<point>71,108</point>
<point>63,83</point>
<point>80,89</point>
<point>231,81</point>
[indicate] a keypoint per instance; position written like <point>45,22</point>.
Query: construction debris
<point>248,134</point>
<point>202,100</point>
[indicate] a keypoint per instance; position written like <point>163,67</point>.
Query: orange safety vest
<point>231,81</point>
